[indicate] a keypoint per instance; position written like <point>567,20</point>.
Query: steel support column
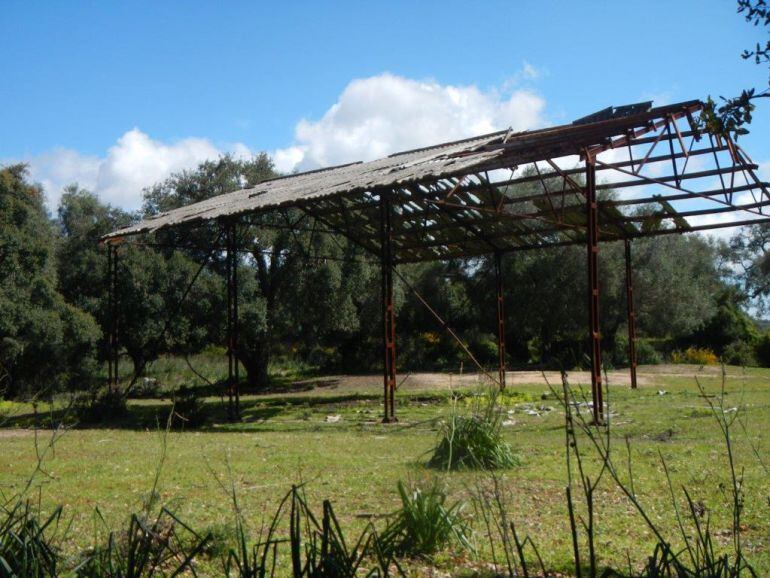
<point>631,314</point>
<point>233,377</point>
<point>500,319</point>
<point>592,245</point>
<point>388,311</point>
<point>113,342</point>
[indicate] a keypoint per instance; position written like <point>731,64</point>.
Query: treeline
<point>312,297</point>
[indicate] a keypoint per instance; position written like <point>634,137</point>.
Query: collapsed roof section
<point>658,172</point>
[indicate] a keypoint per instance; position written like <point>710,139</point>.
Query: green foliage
<point>762,350</point>
<point>734,114</point>
<point>163,546</point>
<point>190,407</point>
<point>151,284</point>
<point>316,545</point>
<point>729,324</point>
<point>106,406</point>
<point>45,342</point>
<point>283,272</point>
<point>646,352</point>
<point>739,353</point>
<point>425,524</point>
<point>473,441</point>
<point>27,547</point>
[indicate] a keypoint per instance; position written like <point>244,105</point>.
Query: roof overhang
<point>509,191</point>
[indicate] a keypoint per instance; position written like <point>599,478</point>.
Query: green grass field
<point>294,435</point>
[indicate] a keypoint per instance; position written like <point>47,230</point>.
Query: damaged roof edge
<point>435,162</point>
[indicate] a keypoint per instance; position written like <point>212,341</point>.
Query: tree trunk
<point>256,362</point>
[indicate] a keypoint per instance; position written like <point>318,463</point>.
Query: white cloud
<point>372,117</point>
<point>60,167</point>
<point>134,162</point>
<point>383,114</point>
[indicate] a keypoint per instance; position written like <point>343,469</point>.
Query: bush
<point>762,350</point>
<point>474,441</point>
<point>739,353</point>
<point>695,355</point>
<point>190,407</point>
<point>646,354</point>
<point>424,524</point>
<point>107,406</point>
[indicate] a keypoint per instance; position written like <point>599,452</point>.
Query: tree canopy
<point>306,295</point>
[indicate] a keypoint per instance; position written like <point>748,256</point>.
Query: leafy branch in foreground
<point>731,117</point>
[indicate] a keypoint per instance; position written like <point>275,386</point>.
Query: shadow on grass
<point>257,412</point>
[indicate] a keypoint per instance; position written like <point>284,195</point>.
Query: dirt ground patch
<point>647,376</point>
<point>419,382</point>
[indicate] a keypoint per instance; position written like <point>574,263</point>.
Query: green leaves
<point>46,343</point>
<point>425,524</point>
<point>473,441</point>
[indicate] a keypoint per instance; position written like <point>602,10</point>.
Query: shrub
<point>424,524</point>
<point>223,537</point>
<point>739,353</point>
<point>762,350</point>
<point>108,406</point>
<point>695,355</point>
<point>474,441</point>
<point>646,354</point>
<point>190,407</point>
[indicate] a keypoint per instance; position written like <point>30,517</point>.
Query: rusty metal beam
<point>233,371</point>
<point>113,352</point>
<point>500,319</point>
<point>388,311</point>
<point>631,314</point>
<point>592,246</point>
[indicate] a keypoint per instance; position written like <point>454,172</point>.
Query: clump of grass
<point>316,546</point>
<point>164,546</point>
<point>425,524</point>
<point>474,441</point>
<point>26,544</point>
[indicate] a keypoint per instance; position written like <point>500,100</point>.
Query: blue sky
<point>91,87</point>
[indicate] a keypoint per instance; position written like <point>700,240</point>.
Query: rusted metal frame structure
<point>500,298</point>
<point>576,184</point>
<point>388,311</point>
<point>631,312</point>
<point>233,365</point>
<point>113,344</point>
<point>592,246</point>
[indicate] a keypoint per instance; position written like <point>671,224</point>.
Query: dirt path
<point>647,376</point>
